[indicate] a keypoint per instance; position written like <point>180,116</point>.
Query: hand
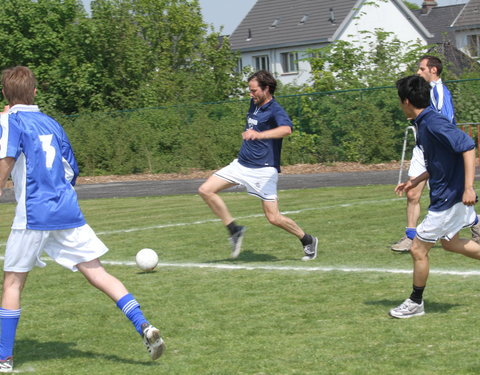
<point>251,135</point>
<point>403,187</point>
<point>469,197</point>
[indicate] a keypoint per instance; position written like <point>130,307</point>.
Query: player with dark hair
<point>450,167</point>
<point>257,166</point>
<point>36,152</point>
<point>440,100</point>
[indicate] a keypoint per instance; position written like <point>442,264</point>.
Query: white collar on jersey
<point>24,108</point>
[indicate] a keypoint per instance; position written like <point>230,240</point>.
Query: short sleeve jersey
<point>443,145</point>
<point>44,172</point>
<point>264,152</point>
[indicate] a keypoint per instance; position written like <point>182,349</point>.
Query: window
<point>290,62</point>
<point>261,62</point>
<point>239,67</point>
<point>473,45</point>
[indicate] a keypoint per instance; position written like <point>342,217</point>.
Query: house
<point>454,27</point>
<point>276,34</point>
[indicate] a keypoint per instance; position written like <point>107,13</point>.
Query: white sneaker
<point>402,246</point>
<point>310,250</point>
<point>236,240</point>
<point>153,341</point>
<point>407,309</point>
<point>6,365</point>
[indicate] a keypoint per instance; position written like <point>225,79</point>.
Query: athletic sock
<point>411,232</point>
<point>131,308</point>
<point>8,321</point>
<point>233,228</point>
<point>417,294</point>
<point>306,239</point>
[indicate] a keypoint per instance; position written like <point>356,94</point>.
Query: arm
<point>469,195</point>
<point>6,166</point>
<point>410,184</point>
<point>279,132</point>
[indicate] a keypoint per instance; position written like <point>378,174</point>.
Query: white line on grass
<point>297,269</point>
<point>162,226</point>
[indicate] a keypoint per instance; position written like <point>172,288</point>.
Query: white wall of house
<point>299,75</point>
<point>382,15</point>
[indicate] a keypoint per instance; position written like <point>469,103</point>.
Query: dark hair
<point>264,79</point>
<point>415,89</point>
<point>433,62</point>
<point>19,85</point>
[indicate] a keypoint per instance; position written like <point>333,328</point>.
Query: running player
<point>430,68</point>
<point>35,151</point>
<point>257,166</point>
<point>450,167</point>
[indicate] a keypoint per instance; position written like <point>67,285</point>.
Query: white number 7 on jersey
<point>48,148</point>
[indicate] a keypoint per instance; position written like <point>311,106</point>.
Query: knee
<point>274,219</point>
<point>204,192</point>
<point>413,196</point>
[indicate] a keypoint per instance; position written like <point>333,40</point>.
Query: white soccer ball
<point>147,259</point>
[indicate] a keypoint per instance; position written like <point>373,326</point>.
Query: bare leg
<point>13,283</point>
<point>462,246</point>
<point>421,266</point>
<point>274,216</point>
<point>413,204</point>
<point>208,191</point>
<point>102,280</point>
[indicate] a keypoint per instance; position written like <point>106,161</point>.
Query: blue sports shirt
<point>443,144</point>
<point>44,172</point>
<point>441,100</point>
<point>264,152</point>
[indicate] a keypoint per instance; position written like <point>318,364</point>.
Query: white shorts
<point>446,224</point>
<point>68,247</point>
<point>417,164</point>
<point>260,182</point>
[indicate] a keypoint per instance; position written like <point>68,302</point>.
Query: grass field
<point>266,313</point>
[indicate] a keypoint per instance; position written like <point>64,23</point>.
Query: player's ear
<point>35,91</point>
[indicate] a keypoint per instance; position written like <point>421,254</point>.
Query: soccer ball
<point>147,259</point>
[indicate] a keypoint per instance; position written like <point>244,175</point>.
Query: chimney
<point>427,6</point>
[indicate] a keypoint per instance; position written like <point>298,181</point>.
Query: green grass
<point>253,321</point>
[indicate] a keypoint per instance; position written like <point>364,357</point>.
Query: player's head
<point>414,93</point>
<point>429,67</point>
<point>265,79</point>
<point>19,85</point>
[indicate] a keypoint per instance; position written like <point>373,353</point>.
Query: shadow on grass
<point>33,350</point>
<point>430,307</point>
<point>248,256</point>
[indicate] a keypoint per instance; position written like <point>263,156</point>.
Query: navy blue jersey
<point>44,172</point>
<point>443,144</point>
<point>264,152</point>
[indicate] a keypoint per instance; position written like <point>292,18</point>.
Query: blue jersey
<point>44,172</point>
<point>264,152</point>
<point>443,144</point>
<point>441,100</point>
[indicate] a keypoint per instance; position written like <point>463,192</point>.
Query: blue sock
<point>411,232</point>
<point>131,308</point>
<point>8,321</point>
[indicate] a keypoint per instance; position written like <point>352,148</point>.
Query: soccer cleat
<point>6,365</point>
<point>402,246</point>
<point>407,309</point>
<point>476,232</point>
<point>310,250</point>
<point>153,341</point>
<point>236,240</point>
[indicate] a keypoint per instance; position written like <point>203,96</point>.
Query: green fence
<point>364,125</point>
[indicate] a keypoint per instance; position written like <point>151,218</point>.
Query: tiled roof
<point>439,22</point>
<point>273,23</point>
<point>470,16</point>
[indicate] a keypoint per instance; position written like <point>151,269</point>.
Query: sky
<point>229,13</point>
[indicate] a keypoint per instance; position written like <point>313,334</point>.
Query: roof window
<point>303,20</point>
